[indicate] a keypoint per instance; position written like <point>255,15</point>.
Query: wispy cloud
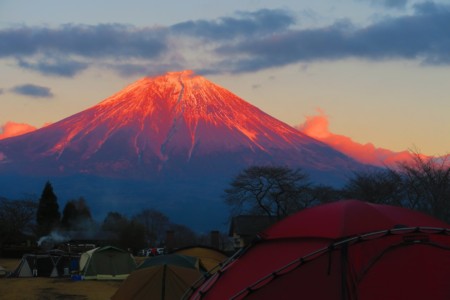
<point>244,42</point>
<point>396,4</point>
<point>32,91</point>
<point>243,25</point>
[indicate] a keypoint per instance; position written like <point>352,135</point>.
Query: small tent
<point>164,277</point>
<point>51,264</point>
<point>108,263</point>
<point>210,258</point>
<point>343,250</point>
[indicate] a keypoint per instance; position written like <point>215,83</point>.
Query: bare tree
<point>269,190</point>
<point>427,184</point>
<point>382,187</point>
<point>183,236</point>
<point>16,219</point>
<point>421,184</point>
<point>155,223</point>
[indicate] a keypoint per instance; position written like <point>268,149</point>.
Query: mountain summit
<point>178,122</point>
<point>171,142</point>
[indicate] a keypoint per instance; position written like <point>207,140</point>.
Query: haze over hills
<point>170,142</point>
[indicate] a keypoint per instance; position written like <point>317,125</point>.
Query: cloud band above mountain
<point>247,41</point>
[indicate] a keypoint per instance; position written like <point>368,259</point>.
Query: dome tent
<point>210,258</point>
<point>165,277</point>
<point>343,250</point>
<point>52,263</point>
<point>107,263</point>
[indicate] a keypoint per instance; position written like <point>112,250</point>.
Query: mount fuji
<point>171,142</point>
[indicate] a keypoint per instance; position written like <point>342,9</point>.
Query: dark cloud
<point>132,69</point>
<point>32,91</point>
<point>423,36</point>
<point>245,42</point>
<point>99,41</point>
<point>397,4</point>
<point>246,24</point>
<point>59,67</point>
<point>431,8</point>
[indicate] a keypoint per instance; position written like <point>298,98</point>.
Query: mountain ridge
<point>172,142</point>
<point>157,118</point>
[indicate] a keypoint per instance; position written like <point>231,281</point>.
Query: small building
<point>244,228</point>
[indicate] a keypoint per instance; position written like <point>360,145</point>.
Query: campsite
<point>41,288</point>
<point>47,282</point>
<point>364,251</point>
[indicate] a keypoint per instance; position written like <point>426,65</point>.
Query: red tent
<point>343,250</point>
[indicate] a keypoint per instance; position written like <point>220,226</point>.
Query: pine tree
<point>77,215</point>
<point>48,214</point>
<point>69,215</point>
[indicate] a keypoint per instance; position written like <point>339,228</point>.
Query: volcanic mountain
<point>177,126</point>
<point>171,123</point>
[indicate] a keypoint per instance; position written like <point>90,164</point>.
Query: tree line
<point>36,220</point>
<point>422,184</point>
<point>275,191</point>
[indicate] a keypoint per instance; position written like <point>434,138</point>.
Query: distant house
<point>244,228</point>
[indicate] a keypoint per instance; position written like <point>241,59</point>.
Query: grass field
<point>39,288</point>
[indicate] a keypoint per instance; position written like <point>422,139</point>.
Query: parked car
<point>152,251</point>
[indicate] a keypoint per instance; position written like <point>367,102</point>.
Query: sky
<point>368,73</point>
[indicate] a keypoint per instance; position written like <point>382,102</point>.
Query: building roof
<point>250,224</point>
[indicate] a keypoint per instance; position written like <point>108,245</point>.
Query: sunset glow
<point>315,126</point>
<point>284,57</point>
<point>10,129</point>
<point>318,127</point>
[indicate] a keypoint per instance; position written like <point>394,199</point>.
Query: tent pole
<point>163,287</point>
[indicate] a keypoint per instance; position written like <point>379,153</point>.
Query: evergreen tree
<point>69,215</point>
<point>48,215</point>
<point>76,215</point>
<point>113,225</point>
<point>132,237</point>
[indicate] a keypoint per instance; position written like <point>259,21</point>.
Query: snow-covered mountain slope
<point>178,122</point>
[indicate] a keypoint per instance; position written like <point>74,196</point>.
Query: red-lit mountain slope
<point>178,123</point>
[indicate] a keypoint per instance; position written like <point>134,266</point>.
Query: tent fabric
<point>390,253</point>
<point>210,258</point>
<point>347,218</point>
<point>171,259</point>
<point>165,282</point>
<point>387,267</point>
<point>165,277</point>
<point>106,263</point>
